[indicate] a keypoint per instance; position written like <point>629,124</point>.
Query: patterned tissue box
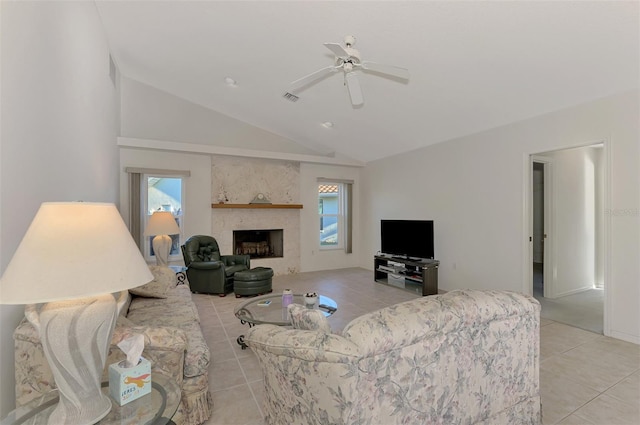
<point>129,383</point>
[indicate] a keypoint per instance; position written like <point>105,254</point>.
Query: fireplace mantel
<point>258,206</point>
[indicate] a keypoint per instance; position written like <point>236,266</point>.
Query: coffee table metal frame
<point>255,312</point>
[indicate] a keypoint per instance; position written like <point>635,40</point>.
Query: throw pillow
<point>163,279</point>
<point>308,319</point>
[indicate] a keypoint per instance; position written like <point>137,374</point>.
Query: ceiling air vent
<point>290,97</point>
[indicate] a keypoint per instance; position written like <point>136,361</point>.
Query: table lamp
<point>161,225</point>
<point>73,257</point>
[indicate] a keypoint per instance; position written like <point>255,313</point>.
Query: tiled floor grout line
<point>235,355</point>
<point>599,393</point>
<point>230,388</point>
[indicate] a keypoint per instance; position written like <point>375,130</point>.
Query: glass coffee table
<point>267,309</point>
<point>156,408</point>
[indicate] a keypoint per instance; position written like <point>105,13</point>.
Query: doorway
<point>566,243</point>
<point>542,205</point>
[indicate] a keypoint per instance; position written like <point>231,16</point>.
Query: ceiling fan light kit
<point>348,60</point>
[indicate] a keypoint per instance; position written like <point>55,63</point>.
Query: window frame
<point>339,215</point>
<point>144,214</point>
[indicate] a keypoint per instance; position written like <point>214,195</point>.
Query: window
<point>162,193</point>
<point>330,210</point>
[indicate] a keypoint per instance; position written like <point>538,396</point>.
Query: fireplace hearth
<point>259,243</point>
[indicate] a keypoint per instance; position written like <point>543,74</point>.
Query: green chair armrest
<point>206,265</point>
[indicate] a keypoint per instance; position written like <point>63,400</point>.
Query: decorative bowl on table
<point>311,300</point>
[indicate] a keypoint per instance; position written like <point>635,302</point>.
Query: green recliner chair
<point>208,271</point>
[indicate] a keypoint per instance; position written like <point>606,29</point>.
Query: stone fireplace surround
<point>238,181</point>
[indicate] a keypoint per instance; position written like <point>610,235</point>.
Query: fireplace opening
<point>258,243</point>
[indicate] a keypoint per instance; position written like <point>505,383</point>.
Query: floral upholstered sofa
<point>165,314</point>
<point>464,357</point>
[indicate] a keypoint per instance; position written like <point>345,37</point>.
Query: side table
<point>156,408</point>
<point>181,274</point>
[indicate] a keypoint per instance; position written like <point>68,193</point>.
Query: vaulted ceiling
<point>473,65</point>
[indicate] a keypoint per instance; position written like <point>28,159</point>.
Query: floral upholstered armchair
<point>464,357</point>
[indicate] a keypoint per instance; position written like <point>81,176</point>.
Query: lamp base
<point>75,336</point>
<point>67,413</point>
<point>161,248</point>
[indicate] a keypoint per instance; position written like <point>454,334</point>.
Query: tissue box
<point>129,383</point>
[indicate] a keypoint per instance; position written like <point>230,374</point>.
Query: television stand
<point>414,275</point>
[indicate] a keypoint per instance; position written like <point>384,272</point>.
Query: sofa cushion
<point>197,357</point>
<point>176,309</point>
<point>163,279</point>
<point>308,319</point>
<point>181,314</point>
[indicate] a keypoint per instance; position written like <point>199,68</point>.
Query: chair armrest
<point>315,346</point>
<point>301,368</point>
<point>206,265</point>
<point>164,347</point>
<point>231,260</point>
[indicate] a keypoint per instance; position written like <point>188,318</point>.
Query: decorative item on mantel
<point>260,199</point>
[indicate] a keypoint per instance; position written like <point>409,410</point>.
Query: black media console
<point>415,275</point>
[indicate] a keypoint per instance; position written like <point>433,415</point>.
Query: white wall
<point>311,257</point>
<point>149,113</point>
<point>59,125</point>
<point>601,182</point>
<point>197,196</point>
<point>474,188</point>
<point>577,209</point>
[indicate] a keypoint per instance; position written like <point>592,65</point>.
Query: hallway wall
<point>479,211</point>
<point>577,208</point>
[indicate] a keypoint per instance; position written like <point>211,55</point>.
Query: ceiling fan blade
<point>308,79</point>
<point>353,85</point>
<point>337,50</point>
<point>386,69</point>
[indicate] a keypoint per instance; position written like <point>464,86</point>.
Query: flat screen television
<point>407,238</point>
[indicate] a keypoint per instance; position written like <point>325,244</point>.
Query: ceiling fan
<point>348,60</point>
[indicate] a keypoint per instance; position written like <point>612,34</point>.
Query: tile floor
<point>585,378</point>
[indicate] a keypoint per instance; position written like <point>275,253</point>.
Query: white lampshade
<point>161,223</point>
<point>73,250</point>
